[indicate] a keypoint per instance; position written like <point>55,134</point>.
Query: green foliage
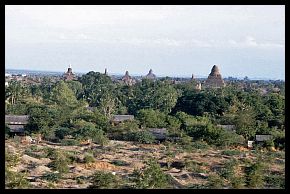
<point>89,158</point>
<point>254,175</point>
<point>104,180</point>
<point>228,170</point>
<point>231,152</point>
<point>200,145</point>
<point>215,182</point>
<point>149,94</point>
<point>152,177</point>
<point>151,118</point>
<point>140,137</point>
<point>120,163</point>
<point>275,181</point>
<point>60,162</point>
<point>63,95</point>
<point>15,180</point>
<point>88,130</point>
<point>69,142</point>
<point>53,177</point>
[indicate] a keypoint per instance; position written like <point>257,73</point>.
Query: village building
<point>16,123</point>
<point>69,75</point>
<point>150,75</point>
<point>214,79</point>
<point>121,118</point>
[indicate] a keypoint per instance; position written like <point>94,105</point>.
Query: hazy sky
<point>172,40</point>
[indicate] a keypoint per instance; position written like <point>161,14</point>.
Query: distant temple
<point>127,79</point>
<point>69,75</point>
<point>192,77</point>
<point>214,79</point>
<point>150,75</point>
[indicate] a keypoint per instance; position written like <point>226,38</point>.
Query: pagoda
<point>214,79</point>
<point>69,75</point>
<point>127,79</point>
<point>150,75</point>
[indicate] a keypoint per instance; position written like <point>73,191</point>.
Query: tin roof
<point>16,119</point>
<point>263,137</point>
<point>119,118</point>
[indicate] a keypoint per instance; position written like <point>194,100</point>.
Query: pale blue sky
<point>172,40</point>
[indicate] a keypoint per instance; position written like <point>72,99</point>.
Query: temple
<point>150,75</point>
<point>127,79</point>
<point>69,75</point>
<point>214,79</point>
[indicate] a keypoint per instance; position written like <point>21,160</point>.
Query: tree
<point>95,85</point>
<point>87,130</point>
<point>151,118</point>
<point>245,122</point>
<point>62,95</point>
<point>156,95</point>
<point>152,177</point>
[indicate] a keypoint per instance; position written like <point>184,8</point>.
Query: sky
<point>173,40</point>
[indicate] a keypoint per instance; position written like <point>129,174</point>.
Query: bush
<point>200,145</point>
<point>151,177</point>
<point>254,175</point>
<point>60,163</point>
<point>215,182</point>
<point>54,177</point>
<point>104,180</point>
<point>15,180</point>
<point>275,181</point>
<point>237,182</point>
<point>69,142</point>
<point>228,171</point>
<point>231,152</point>
<point>89,158</point>
<point>141,137</point>
<point>120,163</point>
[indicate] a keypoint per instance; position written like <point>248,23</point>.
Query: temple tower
<point>214,79</point>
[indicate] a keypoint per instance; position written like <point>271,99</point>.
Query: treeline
<point>60,109</point>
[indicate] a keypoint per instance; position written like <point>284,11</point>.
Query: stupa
<point>150,75</point>
<point>127,79</point>
<point>69,75</point>
<point>214,79</point>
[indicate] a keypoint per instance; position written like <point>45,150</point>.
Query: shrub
<point>141,137</point>
<point>104,180</point>
<point>151,177</point>
<point>215,182</point>
<point>89,158</point>
<point>231,152</point>
<point>237,182</point>
<point>15,180</point>
<point>228,171</point>
<point>200,145</point>
<point>60,163</point>
<point>54,177</point>
<point>254,175</point>
<point>69,142</point>
<point>120,163</point>
<point>275,181</point>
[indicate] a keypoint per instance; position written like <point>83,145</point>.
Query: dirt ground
<point>133,155</point>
